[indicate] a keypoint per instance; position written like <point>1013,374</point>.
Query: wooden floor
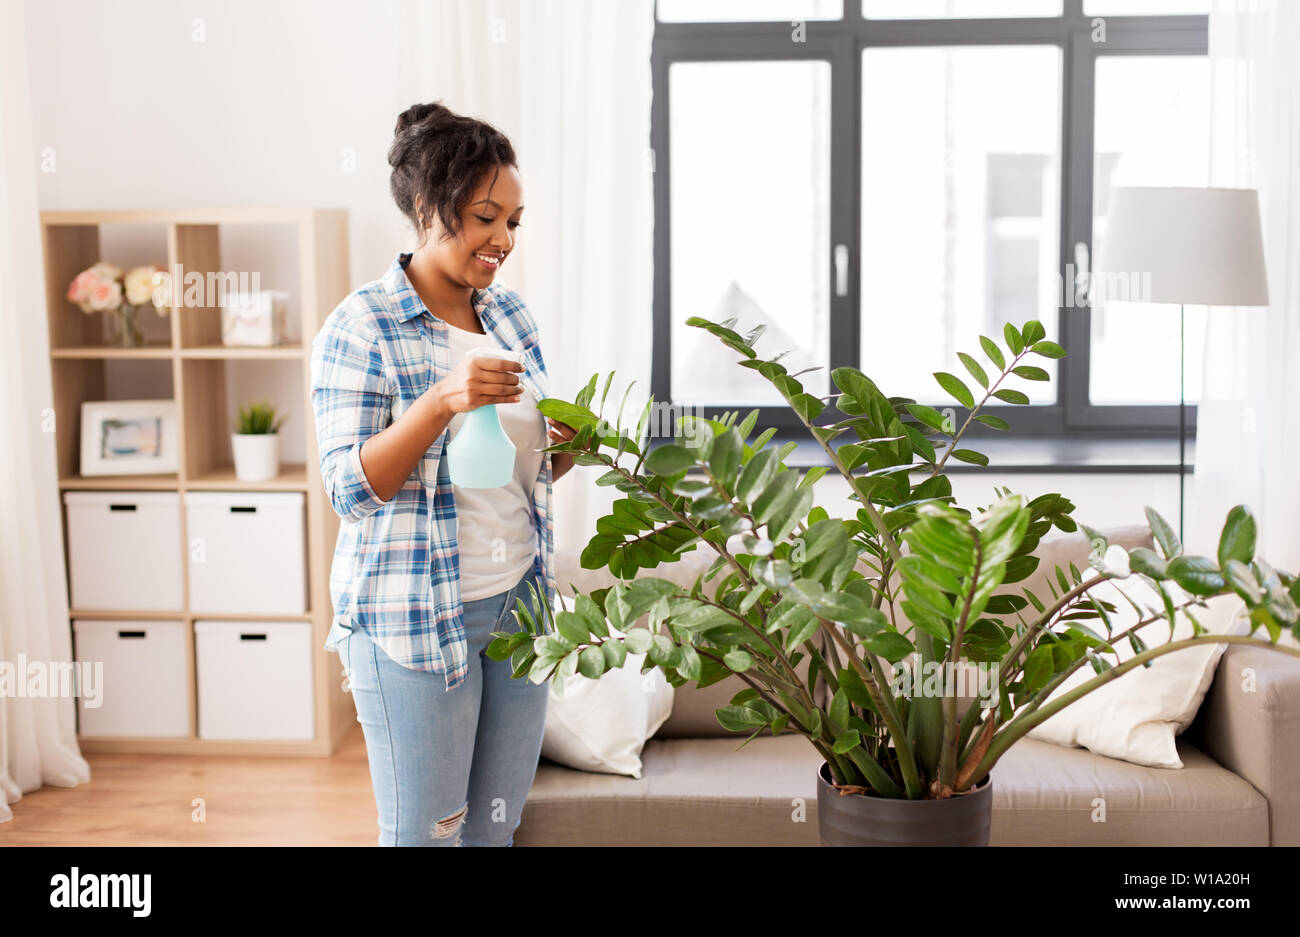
<point>143,800</point>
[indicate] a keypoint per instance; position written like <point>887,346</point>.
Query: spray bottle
<point>481,455</point>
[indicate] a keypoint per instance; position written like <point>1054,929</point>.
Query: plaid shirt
<point>396,569</point>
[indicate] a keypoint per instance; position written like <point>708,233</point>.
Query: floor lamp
<point>1197,246</point>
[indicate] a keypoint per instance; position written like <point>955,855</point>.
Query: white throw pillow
<point>1137,717</point>
<point>602,725</point>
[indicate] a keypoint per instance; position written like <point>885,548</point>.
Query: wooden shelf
<point>168,482</point>
<point>193,216</point>
<point>151,350</point>
<point>115,614</point>
<point>234,352</point>
<point>205,377</point>
<point>292,477</point>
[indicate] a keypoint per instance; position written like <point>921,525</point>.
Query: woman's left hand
<point>559,432</point>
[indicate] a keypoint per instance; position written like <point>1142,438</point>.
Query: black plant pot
<point>861,820</point>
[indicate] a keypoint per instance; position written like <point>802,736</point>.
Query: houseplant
<point>940,587</point>
<point>255,444</point>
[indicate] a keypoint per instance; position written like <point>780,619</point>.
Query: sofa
<point>1240,784</point>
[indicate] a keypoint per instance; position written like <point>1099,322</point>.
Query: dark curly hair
<point>438,157</point>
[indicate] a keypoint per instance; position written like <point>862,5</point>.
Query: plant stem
<point>938,467</point>
<point>888,711</point>
<point>1019,727</point>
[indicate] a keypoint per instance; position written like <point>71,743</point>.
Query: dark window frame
<point>841,43</point>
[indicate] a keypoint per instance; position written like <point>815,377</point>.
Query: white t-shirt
<point>495,535</point>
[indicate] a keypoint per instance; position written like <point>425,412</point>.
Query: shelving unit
<point>186,348</point>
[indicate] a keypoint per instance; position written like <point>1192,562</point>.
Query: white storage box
<point>124,550</point>
<point>142,685</point>
<point>255,679</point>
<point>246,552</point>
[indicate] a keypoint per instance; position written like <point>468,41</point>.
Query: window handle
<point>1082,259</point>
<point>841,270</point>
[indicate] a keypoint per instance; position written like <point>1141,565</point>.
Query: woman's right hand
<point>477,381</point>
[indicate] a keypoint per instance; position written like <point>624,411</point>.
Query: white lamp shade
<point>1197,246</point>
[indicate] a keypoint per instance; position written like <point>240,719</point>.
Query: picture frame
<point>128,437</point>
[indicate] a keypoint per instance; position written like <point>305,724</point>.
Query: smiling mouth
<point>490,261</point>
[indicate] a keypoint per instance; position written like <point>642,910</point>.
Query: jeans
<point>449,768</point>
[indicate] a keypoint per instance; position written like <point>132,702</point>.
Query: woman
<point>424,571</point>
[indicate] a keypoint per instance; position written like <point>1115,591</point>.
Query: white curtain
<point>1248,437</point>
<point>38,741</point>
<point>569,82</point>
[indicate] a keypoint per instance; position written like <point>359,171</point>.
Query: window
<point>878,182</point>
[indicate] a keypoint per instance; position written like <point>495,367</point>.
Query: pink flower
<point>105,295</point>
<point>79,289</point>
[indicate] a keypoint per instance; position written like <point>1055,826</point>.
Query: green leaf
<point>591,661</point>
<point>1013,339</point>
<point>954,386</point>
<point>1196,574</point>
<point>775,496</point>
<point>1164,535</point>
<point>572,626</point>
<point>847,741</point>
<point>725,458</point>
<point>584,396</point>
<point>615,654</point>
<point>993,352</point>
<point>975,370</point>
<point>930,417</point>
<point>738,660</point>
<point>591,614</point>
<point>1048,349</point>
<point>890,645</point>
<point>1144,561</point>
<point>996,422</point>
<point>669,459</point>
<point>758,471</point>
<point>1031,373</point>
<point>638,640</point>
<point>1032,332</point>
<point>1243,583</point>
<point>1237,541</point>
<point>1007,395</point>
<point>971,456</point>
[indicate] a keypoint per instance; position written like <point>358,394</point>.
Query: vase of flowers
<point>104,288</point>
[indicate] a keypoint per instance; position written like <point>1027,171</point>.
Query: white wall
<point>138,114</point>
<point>155,104</point>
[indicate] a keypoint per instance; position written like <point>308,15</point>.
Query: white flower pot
<point>257,456</point>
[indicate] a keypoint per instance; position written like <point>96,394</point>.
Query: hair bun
<point>418,113</point>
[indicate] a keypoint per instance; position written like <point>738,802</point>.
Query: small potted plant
<point>255,443</point>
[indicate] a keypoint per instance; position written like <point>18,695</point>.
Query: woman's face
<point>487,235</point>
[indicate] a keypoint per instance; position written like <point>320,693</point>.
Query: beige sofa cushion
<point>1044,794</point>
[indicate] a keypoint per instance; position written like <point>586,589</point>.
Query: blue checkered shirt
<point>396,569</point>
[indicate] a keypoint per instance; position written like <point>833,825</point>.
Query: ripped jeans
<point>449,768</point>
